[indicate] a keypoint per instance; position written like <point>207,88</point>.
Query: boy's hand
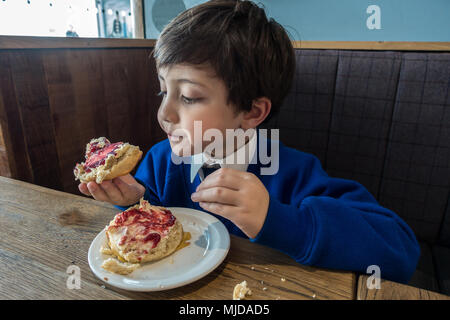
<point>121,191</point>
<point>238,196</point>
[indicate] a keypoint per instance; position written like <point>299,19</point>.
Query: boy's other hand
<point>238,196</point>
<point>121,191</point>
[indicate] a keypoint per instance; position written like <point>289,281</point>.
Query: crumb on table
<point>241,290</point>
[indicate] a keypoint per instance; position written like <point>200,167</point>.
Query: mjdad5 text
<point>232,309</point>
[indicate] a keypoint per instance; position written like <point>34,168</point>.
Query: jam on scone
<point>106,160</point>
<point>143,233</point>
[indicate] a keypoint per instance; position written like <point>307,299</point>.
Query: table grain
<point>44,231</point>
<point>390,290</point>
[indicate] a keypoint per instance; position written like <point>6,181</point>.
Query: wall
<point>331,20</point>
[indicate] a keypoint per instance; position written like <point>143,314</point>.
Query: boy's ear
<point>259,111</point>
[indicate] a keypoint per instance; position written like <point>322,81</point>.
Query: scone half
<point>144,233</point>
<point>106,161</point>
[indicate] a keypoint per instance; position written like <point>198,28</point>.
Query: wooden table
<point>44,231</point>
<point>395,291</point>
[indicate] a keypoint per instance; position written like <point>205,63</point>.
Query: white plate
<point>208,247</point>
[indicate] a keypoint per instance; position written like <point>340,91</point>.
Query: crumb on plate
<point>116,266</point>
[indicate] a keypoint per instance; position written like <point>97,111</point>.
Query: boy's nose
<point>168,113</point>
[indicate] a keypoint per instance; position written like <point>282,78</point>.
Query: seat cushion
<point>380,118</point>
<point>433,269</point>
<point>441,255</point>
<point>425,275</point>
<point>444,238</point>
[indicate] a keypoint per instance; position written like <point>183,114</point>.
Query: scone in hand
<point>144,233</point>
<point>106,160</point>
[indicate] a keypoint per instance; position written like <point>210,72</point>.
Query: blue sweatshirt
<point>316,219</point>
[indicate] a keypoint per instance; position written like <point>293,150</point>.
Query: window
<point>68,18</point>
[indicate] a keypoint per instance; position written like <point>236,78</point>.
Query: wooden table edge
<point>390,290</point>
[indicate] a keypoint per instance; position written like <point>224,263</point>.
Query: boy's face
<point>193,93</point>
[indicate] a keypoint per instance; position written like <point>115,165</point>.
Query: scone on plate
<point>144,233</point>
<point>106,160</point>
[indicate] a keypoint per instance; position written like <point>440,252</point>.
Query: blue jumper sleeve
<point>337,224</point>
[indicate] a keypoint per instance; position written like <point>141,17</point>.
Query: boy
<point>223,63</point>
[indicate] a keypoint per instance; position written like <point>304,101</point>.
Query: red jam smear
<point>94,146</point>
<point>122,240</point>
<point>98,155</point>
<point>154,237</point>
<point>154,223</point>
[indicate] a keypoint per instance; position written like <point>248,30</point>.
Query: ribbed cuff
<point>288,229</point>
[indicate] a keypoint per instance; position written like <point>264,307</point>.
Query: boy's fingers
<point>129,191</point>
<point>112,191</point>
<point>225,178</point>
<point>84,190</point>
<point>97,192</point>
<point>128,179</point>
<point>223,210</point>
<point>218,195</point>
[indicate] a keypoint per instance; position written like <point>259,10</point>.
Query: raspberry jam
<point>97,156</point>
<point>149,225</point>
<point>154,237</point>
<point>95,146</point>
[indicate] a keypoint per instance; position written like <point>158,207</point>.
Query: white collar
<point>236,160</point>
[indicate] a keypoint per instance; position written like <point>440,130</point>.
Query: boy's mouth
<point>174,138</point>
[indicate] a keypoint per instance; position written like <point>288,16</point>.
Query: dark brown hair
<point>250,53</point>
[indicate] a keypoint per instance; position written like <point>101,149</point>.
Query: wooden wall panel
<point>32,96</point>
<point>11,125</point>
<point>2,140</point>
<point>157,133</point>
<point>85,67</point>
<point>4,163</point>
<point>62,100</point>
<point>53,101</point>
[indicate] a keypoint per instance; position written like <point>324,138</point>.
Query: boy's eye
<point>184,98</point>
<point>190,100</point>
